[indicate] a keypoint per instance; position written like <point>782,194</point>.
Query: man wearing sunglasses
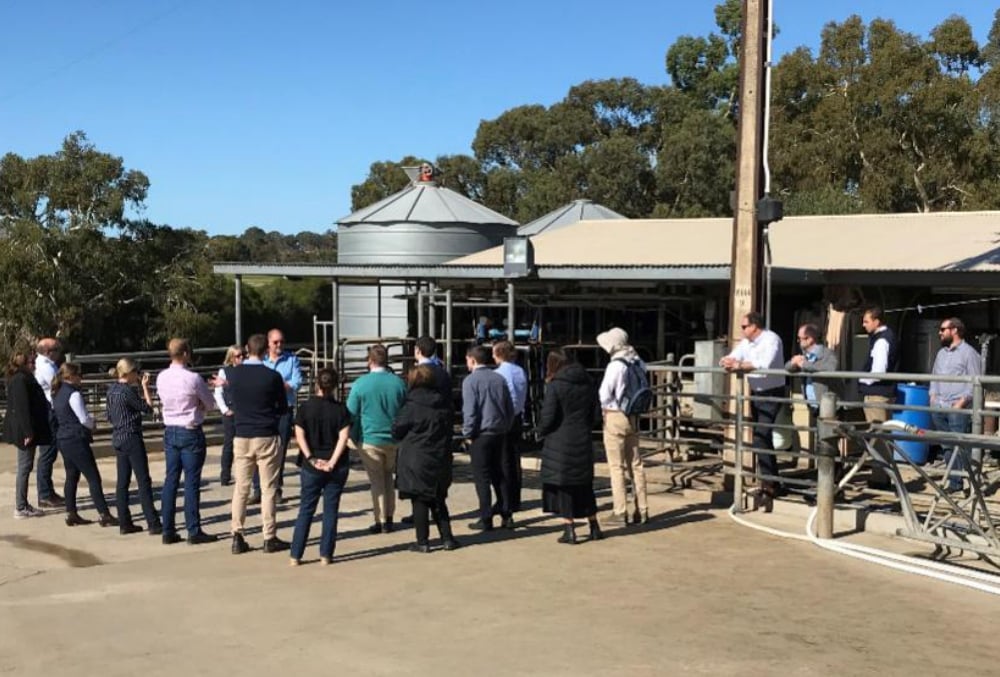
<point>761,348</point>
<point>955,358</point>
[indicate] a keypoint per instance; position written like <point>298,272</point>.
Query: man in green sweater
<point>373,402</point>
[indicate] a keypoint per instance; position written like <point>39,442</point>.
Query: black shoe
<point>375,528</point>
<point>407,520</point>
<point>479,525</point>
<point>170,539</point>
<point>595,531</point>
<point>451,544</point>
<point>127,529</point>
<point>507,522</point>
<point>420,547</point>
<point>239,545</point>
<point>280,498</point>
<point>254,499</point>
<point>200,538</point>
<point>275,545</point>
<point>568,535</point>
<point>155,530</point>
<point>225,481</point>
<point>74,520</point>
<point>640,517</point>
<point>387,526</point>
<point>108,520</point>
<point>52,502</point>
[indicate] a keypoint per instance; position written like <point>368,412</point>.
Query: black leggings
<point>438,511</point>
<point>78,458</point>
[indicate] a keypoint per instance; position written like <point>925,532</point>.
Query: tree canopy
<point>876,120</point>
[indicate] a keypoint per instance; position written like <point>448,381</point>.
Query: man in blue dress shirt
<point>505,355</point>
<point>288,367</point>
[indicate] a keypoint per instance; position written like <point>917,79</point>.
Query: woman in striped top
<point>125,410</point>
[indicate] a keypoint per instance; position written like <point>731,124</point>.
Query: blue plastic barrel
<point>916,396</point>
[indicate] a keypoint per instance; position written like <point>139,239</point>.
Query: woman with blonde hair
<point>125,410</point>
<point>223,400</point>
<point>74,430</point>
<point>26,424</point>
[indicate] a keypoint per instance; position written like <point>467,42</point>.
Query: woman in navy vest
<point>74,430</point>
<point>125,410</point>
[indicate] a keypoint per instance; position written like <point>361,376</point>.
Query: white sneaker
<point>29,511</point>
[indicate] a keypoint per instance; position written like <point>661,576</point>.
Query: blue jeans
<point>184,449</point>
<point>314,484</point>
<point>955,421</point>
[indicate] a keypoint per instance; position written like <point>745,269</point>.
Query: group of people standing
<point>762,349</point>
<point>401,429</point>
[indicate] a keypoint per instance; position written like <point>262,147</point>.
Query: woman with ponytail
<point>322,426</point>
<point>74,431</point>
<point>125,410</point>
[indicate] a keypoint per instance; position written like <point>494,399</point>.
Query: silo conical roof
<point>577,210</point>
<point>426,202</point>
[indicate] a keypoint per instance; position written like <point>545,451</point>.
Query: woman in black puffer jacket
<point>569,409</point>
<point>423,427</point>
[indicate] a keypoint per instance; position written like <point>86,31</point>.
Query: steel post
<point>510,312</point>
<point>738,448</point>
<point>239,310</point>
<point>447,331</point>
<point>826,465</point>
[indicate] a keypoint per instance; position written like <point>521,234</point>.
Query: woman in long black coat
<point>26,424</point>
<point>423,427</point>
<point>569,409</point>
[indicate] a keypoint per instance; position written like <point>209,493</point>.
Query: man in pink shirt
<point>184,397</point>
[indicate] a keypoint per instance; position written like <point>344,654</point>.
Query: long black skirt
<point>569,502</point>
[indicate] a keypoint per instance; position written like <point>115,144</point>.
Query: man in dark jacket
<point>487,413</point>
<point>259,402</point>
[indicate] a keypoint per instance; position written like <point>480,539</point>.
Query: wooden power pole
<point>745,275</point>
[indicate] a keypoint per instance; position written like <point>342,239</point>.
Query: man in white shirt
<point>761,349</point>
<point>47,354</point>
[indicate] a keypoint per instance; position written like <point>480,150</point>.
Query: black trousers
<point>436,510</point>
<point>131,457</point>
<point>228,435</point>
<point>487,472</point>
<point>766,413</point>
<point>78,458</point>
<point>510,467</point>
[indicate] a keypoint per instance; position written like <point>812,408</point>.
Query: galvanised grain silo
<point>567,215</point>
<point>422,224</point>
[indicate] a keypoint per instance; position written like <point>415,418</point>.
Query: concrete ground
<point>690,593</point>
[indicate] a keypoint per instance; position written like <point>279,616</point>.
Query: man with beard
<point>955,358</point>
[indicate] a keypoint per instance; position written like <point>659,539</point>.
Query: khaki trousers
<point>621,446</point>
<point>380,463</point>
<point>261,453</point>
<point>878,415</point>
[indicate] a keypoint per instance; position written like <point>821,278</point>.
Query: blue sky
<point>264,114</point>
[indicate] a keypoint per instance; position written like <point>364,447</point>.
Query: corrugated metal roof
<point>629,242</point>
<point>426,202</point>
<point>574,212</point>
<point>938,241</point>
